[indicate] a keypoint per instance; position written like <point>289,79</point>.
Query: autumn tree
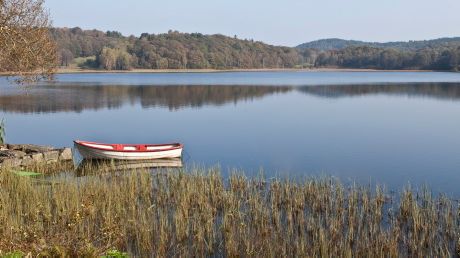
<point>107,58</point>
<point>65,57</point>
<point>123,60</point>
<point>114,59</point>
<point>26,48</point>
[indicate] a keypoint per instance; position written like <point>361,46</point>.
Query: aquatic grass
<point>177,213</point>
<point>2,132</point>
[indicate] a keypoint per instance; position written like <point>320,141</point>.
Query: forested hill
<point>335,43</point>
<point>330,44</point>
<point>172,50</point>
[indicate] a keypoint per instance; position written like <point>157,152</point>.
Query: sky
<point>282,22</point>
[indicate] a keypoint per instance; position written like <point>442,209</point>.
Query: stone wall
<point>17,155</point>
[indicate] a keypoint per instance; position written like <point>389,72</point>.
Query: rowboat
<point>95,150</point>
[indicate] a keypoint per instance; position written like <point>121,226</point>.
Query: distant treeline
<point>174,50</point>
<point>335,43</point>
<point>439,58</point>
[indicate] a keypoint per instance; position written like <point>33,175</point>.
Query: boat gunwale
<point>175,145</point>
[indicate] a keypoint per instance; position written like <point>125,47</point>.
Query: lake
<point>385,127</point>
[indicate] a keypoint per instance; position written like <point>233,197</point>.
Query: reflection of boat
<point>93,166</point>
<point>157,163</point>
<point>94,150</point>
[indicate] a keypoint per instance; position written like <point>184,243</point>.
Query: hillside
<point>330,44</point>
<point>335,43</point>
<point>173,50</point>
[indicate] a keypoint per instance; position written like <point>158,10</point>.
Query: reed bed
<point>199,213</point>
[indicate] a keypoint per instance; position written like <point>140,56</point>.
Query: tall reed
<point>2,132</point>
<point>199,212</point>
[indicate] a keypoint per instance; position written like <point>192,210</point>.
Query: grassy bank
<point>199,212</point>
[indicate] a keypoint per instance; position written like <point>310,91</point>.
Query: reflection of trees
<point>431,90</point>
<point>76,98</point>
<point>79,97</point>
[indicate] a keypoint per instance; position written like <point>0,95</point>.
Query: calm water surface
<point>386,127</point>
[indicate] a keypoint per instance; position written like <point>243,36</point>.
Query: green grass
<point>85,62</point>
<point>26,173</point>
<point>199,212</point>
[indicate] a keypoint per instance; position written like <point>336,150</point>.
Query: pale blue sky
<point>283,22</point>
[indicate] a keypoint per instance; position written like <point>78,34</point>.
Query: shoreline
<point>79,70</point>
<point>312,70</point>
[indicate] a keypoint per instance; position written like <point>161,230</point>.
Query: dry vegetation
<point>27,50</point>
<point>198,212</point>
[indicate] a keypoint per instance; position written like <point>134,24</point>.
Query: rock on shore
<point>16,155</point>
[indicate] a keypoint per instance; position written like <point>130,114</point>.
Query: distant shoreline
<point>79,70</point>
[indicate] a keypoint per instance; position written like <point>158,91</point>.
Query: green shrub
<point>15,254</point>
<point>115,254</point>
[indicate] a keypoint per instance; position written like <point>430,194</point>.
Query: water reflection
<point>76,98</point>
<point>71,97</point>
<point>448,91</point>
<point>93,167</point>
